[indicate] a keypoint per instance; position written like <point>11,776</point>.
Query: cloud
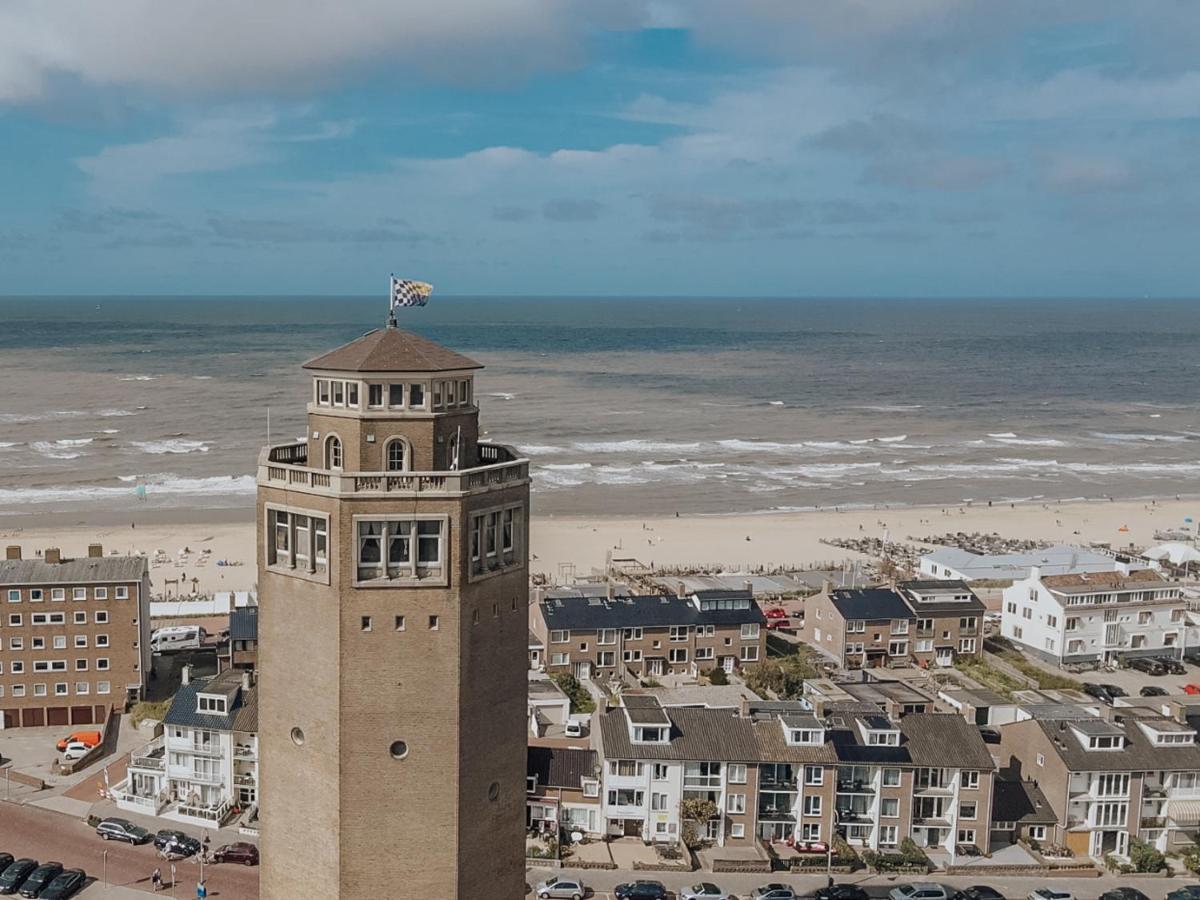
<point>1085,175</point>
<point>237,47</point>
<point>936,173</point>
<point>278,231</point>
<point>568,210</point>
<point>512,213</point>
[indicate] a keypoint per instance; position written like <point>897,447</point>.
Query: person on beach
<point>156,880</point>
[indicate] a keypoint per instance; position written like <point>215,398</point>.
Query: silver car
<point>705,890</point>
<point>561,889</point>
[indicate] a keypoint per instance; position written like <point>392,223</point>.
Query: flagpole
<point>392,301</point>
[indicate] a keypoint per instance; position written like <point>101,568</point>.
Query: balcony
<point>935,821</point>
<point>1154,822</point>
<point>285,465</point>
<point>933,790</point>
<point>245,752</point>
<point>855,787</point>
<point>152,757</point>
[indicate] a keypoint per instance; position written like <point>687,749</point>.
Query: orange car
<point>91,738</point>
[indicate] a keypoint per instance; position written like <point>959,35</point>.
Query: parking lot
<point>1132,681</point>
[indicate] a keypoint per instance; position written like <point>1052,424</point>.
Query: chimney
<point>95,551</point>
<point>247,680</point>
<point>12,551</point>
<point>748,587</point>
<point>53,555</point>
<point>185,675</point>
<point>608,590</point>
<point>680,590</point>
<point>826,587</point>
<point>1035,572</point>
<point>539,594</point>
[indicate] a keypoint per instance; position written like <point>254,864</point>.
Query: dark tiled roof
<point>391,350</point>
<point>243,624</point>
<point>944,739</point>
<point>1022,802</point>
<point>556,767</point>
<point>589,614</point>
<point>696,734</point>
<point>933,585</point>
<point>102,569</point>
<point>243,710</point>
<point>644,710</point>
<point>871,604</point>
<point>1138,754</point>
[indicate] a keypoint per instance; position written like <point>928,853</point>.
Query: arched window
<point>397,457</point>
<point>333,453</point>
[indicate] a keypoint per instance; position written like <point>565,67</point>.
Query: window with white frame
<point>632,634</point>
<point>810,831</point>
<point>100,593</point>
<point>397,457</point>
<point>560,636</point>
<point>891,777</point>
<point>400,548</point>
<point>659,772</point>
<point>606,659</point>
<point>559,659</point>
<point>36,595</point>
<point>14,596</point>
<point>679,633</point>
<point>79,593</point>
<point>494,539</point>
<point>297,541</point>
<point>102,640</point>
<point>57,595</point>
<point>737,830</point>
<point>750,631</point>
<point>813,775</point>
<point>735,803</point>
<point>60,689</point>
<point>888,835</point>
<point>966,645</point>
<point>82,687</point>
<point>966,835</point>
<point>103,687</point>
<point>970,779</point>
<point>812,804</point>
<point>967,810</point>
<point>101,617</point>
<point>102,664</point>
<point>703,653</point>
<point>606,636</point>
<point>678,654</point>
<point>14,620</point>
<point>749,654</point>
<point>889,807</point>
<point>39,690</point>
<point>735,773</point>
<point>1037,832</point>
<point>122,592</point>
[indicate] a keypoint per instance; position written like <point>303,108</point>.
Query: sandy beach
<point>730,542</point>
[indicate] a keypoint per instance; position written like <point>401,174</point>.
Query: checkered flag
<point>409,293</point>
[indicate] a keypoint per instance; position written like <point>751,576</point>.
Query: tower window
<point>322,392</point>
<point>339,393</point>
<point>464,392</point>
<point>375,395</point>
<point>297,541</point>
<point>352,393</point>
<point>399,623</point>
<point>434,622</point>
<point>397,455</point>
<point>333,453</point>
<point>437,394</point>
<point>396,395</point>
<point>366,623</point>
<point>406,548</point>
<point>416,395</point>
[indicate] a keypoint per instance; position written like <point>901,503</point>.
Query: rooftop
<point>1022,802</point>
<point>591,613</point>
<point>391,350</point>
<point>1087,582</point>
<point>86,570</point>
<point>243,624</point>
<point>1138,753</point>
<point>870,604</point>
<point>242,712</point>
<point>556,767</point>
<point>1058,559</point>
<point>644,710</point>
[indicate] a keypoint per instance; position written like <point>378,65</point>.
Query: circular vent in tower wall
<point>494,791</point>
<point>297,736</point>
<point>399,749</point>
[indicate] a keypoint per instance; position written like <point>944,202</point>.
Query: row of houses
<point>874,762</point>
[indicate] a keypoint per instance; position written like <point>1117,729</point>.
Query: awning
<point>1184,812</point>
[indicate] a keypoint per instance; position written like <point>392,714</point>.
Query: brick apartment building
<point>782,770</point>
<point>74,636</point>
<point>915,622</point>
<point>1107,780</point>
<point>600,637</point>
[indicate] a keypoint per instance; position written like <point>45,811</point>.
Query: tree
<point>716,676</point>
<point>581,700</point>
<point>693,811</point>
<point>782,676</point>
<point>1145,857</point>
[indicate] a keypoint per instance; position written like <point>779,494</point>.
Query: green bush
<point>782,676</point>
<point>581,700</point>
<point>1144,857</point>
<point>1191,859</point>
<point>716,676</point>
<point>147,710</point>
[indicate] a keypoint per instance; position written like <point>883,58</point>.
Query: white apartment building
<point>1095,616</point>
<point>205,764</point>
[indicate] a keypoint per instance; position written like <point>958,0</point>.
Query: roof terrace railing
<point>285,465</point>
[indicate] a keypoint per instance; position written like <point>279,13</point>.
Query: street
<point>601,882</point>
<point>45,835</point>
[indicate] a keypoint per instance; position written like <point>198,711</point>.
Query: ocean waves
<point>156,487</point>
<point>172,445</point>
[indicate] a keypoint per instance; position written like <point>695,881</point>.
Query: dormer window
<point>883,738</point>
<point>650,734</point>
<point>1106,742</point>
<point>1168,734</point>
<point>211,705</point>
<point>806,736</point>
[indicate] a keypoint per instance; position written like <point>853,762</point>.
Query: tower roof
<point>392,350</point>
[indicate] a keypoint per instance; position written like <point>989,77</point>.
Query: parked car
<point>1147,664</point>
<point>1115,690</point>
<point>114,829</point>
<point>1191,688</point>
<point>990,735</point>
<point>1123,893</point>
<point>1152,690</point>
<point>778,624</point>
<point>6,860</point>
<point>170,841</point>
<point>240,852</point>
<point>1172,665</point>
<point>1185,892</point>
<point>68,883</point>
<point>573,729</point>
<point>14,876</point>
<point>1048,893</point>
<point>978,892</point>
<point>566,888</point>
<point>811,847</point>
<point>40,878</point>
<point>842,892</point>
<point>640,890</point>
<point>775,612</point>
<point>921,890</point>
<point>705,890</point>
<point>773,891</point>
<point>91,738</point>
<point>76,750</point>
<point>1097,691</point>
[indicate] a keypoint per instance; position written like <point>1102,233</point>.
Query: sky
<point>926,148</point>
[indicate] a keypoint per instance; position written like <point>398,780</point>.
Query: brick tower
<point>393,572</point>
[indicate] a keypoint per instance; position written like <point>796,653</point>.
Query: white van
<point>177,637</point>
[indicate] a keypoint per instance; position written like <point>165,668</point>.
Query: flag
<point>410,293</point>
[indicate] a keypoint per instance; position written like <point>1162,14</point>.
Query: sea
<point>625,406</point>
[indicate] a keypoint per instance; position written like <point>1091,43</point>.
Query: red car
<point>241,852</point>
<point>775,612</point>
<point>811,846</point>
<point>776,624</point>
<point>1191,688</point>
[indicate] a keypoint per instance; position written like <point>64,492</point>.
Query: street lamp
<point>104,858</point>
